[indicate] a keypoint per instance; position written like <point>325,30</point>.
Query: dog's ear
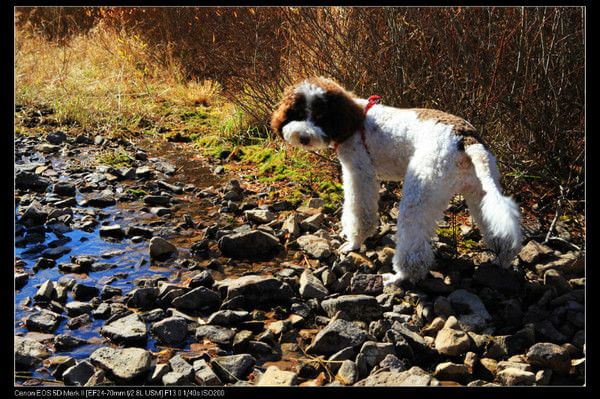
<point>337,114</point>
<point>291,107</point>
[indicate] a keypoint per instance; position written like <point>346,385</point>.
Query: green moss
<point>116,157</point>
<point>136,192</point>
<point>333,195</point>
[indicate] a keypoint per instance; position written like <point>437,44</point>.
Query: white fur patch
<point>296,131</point>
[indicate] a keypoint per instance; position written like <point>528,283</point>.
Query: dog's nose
<point>304,140</point>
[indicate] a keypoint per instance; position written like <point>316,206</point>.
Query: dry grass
<point>103,80</point>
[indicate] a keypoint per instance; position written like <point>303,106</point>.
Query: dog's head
<point>316,113</point>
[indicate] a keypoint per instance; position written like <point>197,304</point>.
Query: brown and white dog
<point>436,154</point>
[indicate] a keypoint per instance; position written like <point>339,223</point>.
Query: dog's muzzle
<point>305,134</point>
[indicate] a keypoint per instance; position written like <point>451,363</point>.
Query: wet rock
<point>315,246</point>
<point>161,249</point>
<point>46,292</point>
<point>200,298</point>
<point>65,189</point>
<point>233,368</point>
<point>114,231</point>
<point>64,342</point>
<point>56,138</point>
<point>337,335</point>
<point>133,231</point>
<point>21,280</point>
<point>311,286</point>
<point>514,376</point>
<point>356,307</point>
<point>82,292</point>
<point>78,321</point>
<point>273,376</point>
<point>143,298</point>
<point>102,201</point>
<point>412,377</point>
<point>157,200</point>
<point>102,312</point>
<point>144,172</point>
<point>171,187</point>
<point>60,364</point>
<point>368,284</point>
<point>34,215</point>
<point>76,308</point>
<point>202,279</point>
<point>549,355</point>
<point>30,181</point>
<point>170,331</point>
<point>79,374</point>
<point>29,352</point>
<point>452,342</point>
<point>228,317</point>
<point>204,375</point>
<point>254,244</point>
<point>217,334</point>
<point>375,352</point>
<point>109,291</point>
<point>466,302</point>
<point>258,290</point>
<point>55,253</point>
<point>123,365</point>
<point>128,330</point>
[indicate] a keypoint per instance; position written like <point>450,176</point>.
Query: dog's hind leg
<point>496,214</point>
<point>426,191</point>
<point>361,197</point>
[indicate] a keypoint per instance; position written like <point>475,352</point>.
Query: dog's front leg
<point>361,192</point>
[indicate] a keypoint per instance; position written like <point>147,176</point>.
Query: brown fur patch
<point>335,112</point>
<point>467,133</point>
<point>286,106</point>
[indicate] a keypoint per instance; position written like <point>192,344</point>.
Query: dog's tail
<point>499,214</point>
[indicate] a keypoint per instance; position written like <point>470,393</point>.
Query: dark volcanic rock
<point>255,244</point>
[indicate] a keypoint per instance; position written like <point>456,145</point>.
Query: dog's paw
<point>348,247</point>
<point>391,278</point>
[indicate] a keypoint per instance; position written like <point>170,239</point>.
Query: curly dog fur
<point>437,155</point>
